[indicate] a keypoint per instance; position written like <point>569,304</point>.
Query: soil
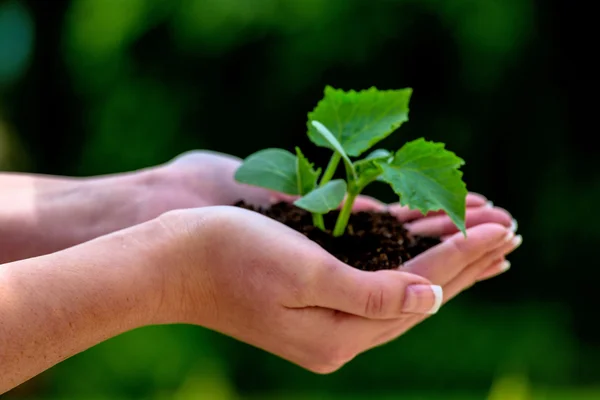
<point>373,240</point>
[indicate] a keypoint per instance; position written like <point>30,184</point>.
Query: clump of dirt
<point>373,240</point>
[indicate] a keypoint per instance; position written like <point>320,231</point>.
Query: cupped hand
<point>467,261</point>
<point>205,178</point>
<point>479,211</point>
<point>202,178</point>
<point>252,278</point>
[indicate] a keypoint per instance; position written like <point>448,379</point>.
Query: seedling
<point>423,174</point>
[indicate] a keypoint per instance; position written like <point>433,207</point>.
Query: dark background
<point>100,86</point>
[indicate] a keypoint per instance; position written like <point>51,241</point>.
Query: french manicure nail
<point>489,204</point>
<point>418,299</point>
<point>505,266</point>
<point>509,236</point>
<point>516,241</point>
<point>514,225</point>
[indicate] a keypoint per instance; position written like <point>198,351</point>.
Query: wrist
<point>183,260</point>
<point>92,207</point>
<point>119,201</point>
<point>132,271</point>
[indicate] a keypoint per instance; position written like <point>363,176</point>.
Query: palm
<point>336,311</point>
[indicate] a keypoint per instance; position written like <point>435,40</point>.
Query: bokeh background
<point>100,86</point>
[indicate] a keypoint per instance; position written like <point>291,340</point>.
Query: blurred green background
<point>99,86</point>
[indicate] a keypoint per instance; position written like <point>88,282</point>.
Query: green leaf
<point>335,145</point>
<point>306,173</point>
<point>426,176</point>
<point>367,173</point>
<point>324,199</point>
<point>379,154</point>
<point>273,169</point>
<point>370,161</point>
<point>368,168</point>
<point>358,120</point>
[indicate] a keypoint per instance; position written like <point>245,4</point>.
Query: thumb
<point>383,294</point>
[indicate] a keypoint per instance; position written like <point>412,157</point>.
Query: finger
<point>501,265</point>
<point>405,214</point>
<point>444,262</point>
<point>489,265</point>
<point>441,225</point>
<point>278,197</point>
<point>472,274</point>
<point>498,267</point>
<point>367,203</point>
<point>376,295</point>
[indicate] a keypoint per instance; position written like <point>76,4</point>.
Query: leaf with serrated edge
<point>306,173</point>
<point>324,199</point>
<point>358,120</point>
<point>273,169</point>
<point>335,145</point>
<point>426,176</point>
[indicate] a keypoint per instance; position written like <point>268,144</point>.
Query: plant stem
<point>318,221</point>
<point>331,167</point>
<point>342,221</point>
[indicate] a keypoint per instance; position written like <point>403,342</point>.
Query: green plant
<point>424,174</point>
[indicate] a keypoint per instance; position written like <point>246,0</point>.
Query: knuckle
<point>328,265</point>
<point>321,270</point>
<point>459,246</point>
<point>376,302</point>
<point>301,291</point>
<point>315,276</point>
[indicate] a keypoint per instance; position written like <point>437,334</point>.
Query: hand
<point>438,224</point>
<point>479,211</point>
<point>204,178</point>
<point>43,214</point>
<point>254,279</point>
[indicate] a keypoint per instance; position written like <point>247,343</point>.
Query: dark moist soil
<point>373,240</point>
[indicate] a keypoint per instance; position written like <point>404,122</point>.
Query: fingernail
<point>514,225</point>
<point>516,241</point>
<point>418,299</point>
<point>274,199</point>
<point>489,204</point>
<point>509,236</point>
<point>505,266</point>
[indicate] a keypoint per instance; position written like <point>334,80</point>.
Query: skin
<point>109,256</point>
<point>42,214</point>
